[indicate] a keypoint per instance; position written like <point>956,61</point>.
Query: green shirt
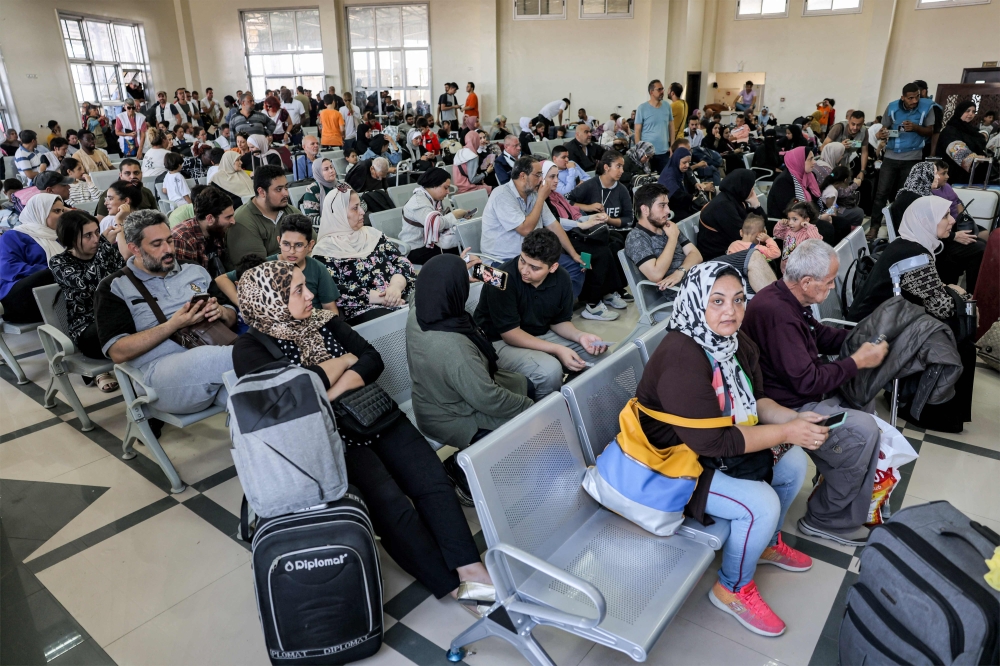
<point>318,281</point>
<point>180,214</point>
<point>253,233</point>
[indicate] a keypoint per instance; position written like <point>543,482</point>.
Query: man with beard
<point>202,239</point>
<point>256,228</point>
<point>129,170</point>
<point>90,156</point>
<point>186,380</point>
<point>161,112</point>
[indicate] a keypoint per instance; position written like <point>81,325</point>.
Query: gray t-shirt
<point>505,212</point>
<point>655,125</point>
<point>641,245</point>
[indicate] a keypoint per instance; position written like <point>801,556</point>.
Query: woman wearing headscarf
<point>499,128</point>
<point>706,375</point>
<point>721,221</point>
<point>798,184</point>
<point>679,180</point>
<point>25,252</point>
<point>472,165</point>
<point>920,182</point>
<point>363,137</point>
<point>829,159</point>
<point>637,161</point>
<point>459,393</point>
<point>232,179</point>
<point>960,142</point>
<point>925,224</point>
<point>374,279</point>
<point>325,178</point>
<point>428,218</point>
<point>260,153</point>
<point>411,503</point>
<point>793,139</point>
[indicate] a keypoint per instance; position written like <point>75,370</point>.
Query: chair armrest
<point>650,283</point>
<point>404,248</point>
<point>128,376</point>
<point>57,345</point>
<point>483,256</point>
<point>499,573</point>
<point>839,322</point>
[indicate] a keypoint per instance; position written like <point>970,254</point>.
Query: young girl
<point>753,232</point>
<point>797,226</point>
<point>839,190</point>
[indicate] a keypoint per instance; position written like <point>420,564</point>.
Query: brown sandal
<point>106,382</point>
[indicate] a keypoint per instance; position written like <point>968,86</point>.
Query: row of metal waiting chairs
<point>390,222</point>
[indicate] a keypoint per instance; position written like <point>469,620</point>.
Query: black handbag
<point>366,411</point>
<point>599,233</point>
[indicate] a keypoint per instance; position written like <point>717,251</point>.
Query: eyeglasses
<point>286,246</point>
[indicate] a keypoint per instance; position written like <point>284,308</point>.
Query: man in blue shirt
<point>28,159</point>
<point>654,122</point>
<point>570,173</point>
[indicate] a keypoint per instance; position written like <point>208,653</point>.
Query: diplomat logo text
<point>309,565</point>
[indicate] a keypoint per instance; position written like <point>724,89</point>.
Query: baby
<point>753,233</point>
<point>796,227</point>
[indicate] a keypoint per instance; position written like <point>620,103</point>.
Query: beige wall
<point>32,47</point>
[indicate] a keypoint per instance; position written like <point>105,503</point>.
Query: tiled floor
<point>100,564</point>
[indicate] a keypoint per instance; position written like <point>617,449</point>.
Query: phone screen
<point>834,420</point>
<point>491,276</point>
<point>197,298</point>
<point>472,213</point>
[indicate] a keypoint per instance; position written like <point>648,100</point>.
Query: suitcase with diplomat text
<point>319,584</point>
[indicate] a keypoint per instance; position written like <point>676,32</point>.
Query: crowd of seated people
<point>742,344</point>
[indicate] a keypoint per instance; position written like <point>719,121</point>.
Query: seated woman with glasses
<point>373,277</point>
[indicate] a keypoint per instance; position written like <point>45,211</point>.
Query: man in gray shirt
<point>186,380</point>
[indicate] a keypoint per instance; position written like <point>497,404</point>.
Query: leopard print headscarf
<point>263,292</point>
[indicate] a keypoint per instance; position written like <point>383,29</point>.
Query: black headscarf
<point>738,184</point>
<point>361,142</point>
<point>376,144</point>
<point>722,219</point>
<point>441,292</point>
<point>709,141</point>
<point>963,131</point>
<point>798,139</point>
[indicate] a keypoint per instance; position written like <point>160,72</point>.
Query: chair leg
<point>140,430</point>
<point>50,392</point>
<point>521,639</point>
<point>9,359</point>
<point>69,393</point>
<point>894,403</point>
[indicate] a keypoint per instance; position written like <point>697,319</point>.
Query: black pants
<point>413,506</point>
<point>658,162</point>
<point>891,177</point>
<point>956,259</point>
<point>89,344</point>
<point>19,306</point>
<point>604,276</point>
<point>422,255</point>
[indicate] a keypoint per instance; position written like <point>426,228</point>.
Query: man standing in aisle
<point>678,107</point>
<point>448,105</point>
<point>654,123</point>
<point>472,100</point>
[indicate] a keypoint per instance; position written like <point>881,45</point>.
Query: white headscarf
<point>525,124</point>
<point>337,239</point>
<point>465,155</point>
<point>33,224</point>
<point>689,318</point>
<point>920,222</point>
<point>546,165</point>
<point>872,131</point>
<point>231,177</point>
<point>260,142</point>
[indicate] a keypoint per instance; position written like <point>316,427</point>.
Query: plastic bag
<point>894,452</point>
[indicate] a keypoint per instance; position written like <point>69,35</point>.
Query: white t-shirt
<point>552,109</point>
<point>222,142</point>
<point>350,122</point>
<point>176,187</point>
<point>212,170</point>
<point>295,111</point>
<point>152,162</point>
<point>106,223</point>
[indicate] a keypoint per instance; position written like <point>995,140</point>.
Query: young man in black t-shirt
<point>530,322</point>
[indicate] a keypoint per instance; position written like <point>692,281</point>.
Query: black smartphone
<point>472,213</point>
<point>877,339</point>
<point>198,298</point>
<point>491,276</point>
<point>834,420</point>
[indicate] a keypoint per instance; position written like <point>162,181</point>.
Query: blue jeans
<point>756,512</point>
<point>575,271</point>
<point>740,106</point>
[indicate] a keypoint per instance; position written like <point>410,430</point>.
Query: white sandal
<point>106,382</point>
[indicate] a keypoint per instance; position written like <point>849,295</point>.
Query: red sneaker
<point>748,608</point>
<point>784,556</point>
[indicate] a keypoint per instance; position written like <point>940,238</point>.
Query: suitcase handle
<point>966,535</point>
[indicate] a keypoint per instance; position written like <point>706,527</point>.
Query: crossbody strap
<point>673,419</point>
<point>268,343</point>
<point>144,292</point>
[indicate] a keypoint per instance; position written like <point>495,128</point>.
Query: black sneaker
<point>457,478</point>
<point>626,296</point>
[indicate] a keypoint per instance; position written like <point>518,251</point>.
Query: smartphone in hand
<point>491,276</point>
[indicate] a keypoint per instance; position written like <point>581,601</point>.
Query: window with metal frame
<point>828,7</point>
<point>533,10</point>
<point>390,50</point>
<point>605,9</point>
<point>8,119</point>
<point>283,48</point>
<point>104,55</point>
<point>935,4</point>
<point>758,9</point>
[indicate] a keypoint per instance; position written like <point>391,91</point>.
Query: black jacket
<point>779,196</point>
<point>585,156</point>
<point>721,220</point>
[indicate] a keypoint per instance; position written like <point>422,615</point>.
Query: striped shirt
<point>27,160</point>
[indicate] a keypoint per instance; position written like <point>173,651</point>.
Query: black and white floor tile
<point>100,564</point>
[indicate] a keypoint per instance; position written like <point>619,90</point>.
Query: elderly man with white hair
<point>791,341</point>
<point>303,163</point>
<point>369,175</point>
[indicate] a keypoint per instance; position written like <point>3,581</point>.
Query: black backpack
<point>860,269</point>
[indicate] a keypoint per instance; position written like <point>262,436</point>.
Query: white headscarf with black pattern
<point>689,318</point>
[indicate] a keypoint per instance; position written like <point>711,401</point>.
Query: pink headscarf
<point>795,160</point>
<point>470,122</point>
<point>473,141</point>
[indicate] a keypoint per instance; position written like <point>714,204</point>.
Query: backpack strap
<point>673,419</point>
<point>146,296</point>
<point>268,343</point>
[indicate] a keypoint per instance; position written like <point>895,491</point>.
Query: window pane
<point>313,83</point>
<point>773,7</point>
<point>258,86</point>
<point>128,50</point>
<point>618,6</point>
<point>527,7</point>
<point>74,29</point>
<point>308,63</point>
<point>258,32</point>
<point>77,49</point>
<point>749,7</point>
<point>283,31</point>
<point>309,37</point>
<point>361,75</point>
<point>387,26</point>
<point>415,26</point>
<point>275,83</point>
<point>818,5</point>
<point>81,74</point>
<point>361,21</point>
<point>390,69</point>
<point>593,6</point>
<point>417,73</point>
<point>278,64</point>
<point>554,7</point>
<point>846,4</point>
<point>100,40</point>
<point>256,65</point>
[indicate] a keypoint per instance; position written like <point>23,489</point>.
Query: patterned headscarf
<point>920,179</point>
<point>263,294</point>
<point>689,319</point>
<point>640,150</point>
<point>336,238</point>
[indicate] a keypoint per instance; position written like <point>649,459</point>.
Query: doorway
<point>693,88</point>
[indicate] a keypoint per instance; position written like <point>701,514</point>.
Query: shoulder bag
<point>204,333</point>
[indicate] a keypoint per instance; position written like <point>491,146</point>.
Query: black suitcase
<point>319,583</point>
